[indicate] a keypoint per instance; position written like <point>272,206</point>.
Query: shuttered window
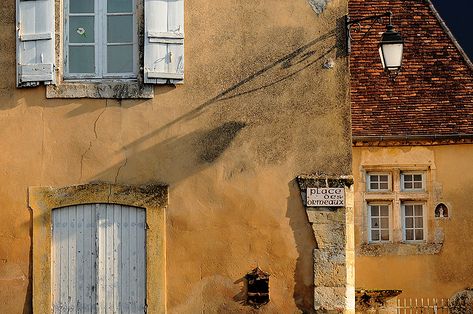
<point>98,259</point>
<point>164,41</point>
<point>35,42</point>
<point>101,41</point>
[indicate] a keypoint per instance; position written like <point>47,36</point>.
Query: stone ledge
<point>105,89</point>
<point>379,249</point>
<point>324,181</point>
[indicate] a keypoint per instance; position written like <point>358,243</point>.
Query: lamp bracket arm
<point>369,18</point>
<point>349,23</point>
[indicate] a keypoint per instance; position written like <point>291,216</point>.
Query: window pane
<point>81,6</point>
<point>374,210</point>
<point>384,223</point>
<point>409,210</point>
<point>373,186</point>
<point>419,222</point>
<point>384,211</point>
<point>410,234</point>
<point>81,59</point>
<point>419,234</point>
<point>409,222</point>
<point>120,29</point>
<point>408,177</point>
<point>383,185</point>
<point>383,178</point>
<point>408,185</point>
<point>417,185</point>
<point>374,222</point>
<point>418,209</point>
<point>81,29</point>
<point>374,178</point>
<point>120,59</point>
<point>385,235</point>
<point>119,6</point>
<point>417,177</point>
<point>374,235</point>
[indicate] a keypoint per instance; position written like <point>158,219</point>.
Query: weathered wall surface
<point>256,110</point>
<point>423,275</point>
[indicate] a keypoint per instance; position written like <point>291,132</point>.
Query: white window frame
<point>368,181</point>
<point>100,35</point>
<point>424,221</point>
<point>390,222</point>
<point>421,173</point>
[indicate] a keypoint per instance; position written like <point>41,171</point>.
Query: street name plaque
<point>326,197</point>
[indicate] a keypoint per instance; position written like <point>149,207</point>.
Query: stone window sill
<point>381,249</point>
<point>106,89</point>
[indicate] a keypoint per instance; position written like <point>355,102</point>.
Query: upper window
<point>121,44</point>
<point>378,182</point>
<point>100,39</point>
<point>412,181</point>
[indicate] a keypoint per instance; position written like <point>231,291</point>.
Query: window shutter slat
<point>164,42</point>
<point>35,42</point>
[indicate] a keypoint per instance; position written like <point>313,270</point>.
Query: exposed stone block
<point>330,235</point>
<point>329,298</point>
<point>329,268</point>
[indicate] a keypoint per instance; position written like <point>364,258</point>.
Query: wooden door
<point>98,259</point>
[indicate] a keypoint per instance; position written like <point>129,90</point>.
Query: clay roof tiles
<point>433,94</point>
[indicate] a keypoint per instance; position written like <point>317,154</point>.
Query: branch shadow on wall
<point>278,71</point>
<point>179,157</point>
<point>175,157</point>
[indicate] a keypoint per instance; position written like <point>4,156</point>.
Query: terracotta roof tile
<point>433,94</point>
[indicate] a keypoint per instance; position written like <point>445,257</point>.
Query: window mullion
<point>100,29</point>
<point>66,38</point>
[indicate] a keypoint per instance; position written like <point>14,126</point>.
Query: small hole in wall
<point>441,211</point>
<point>258,287</point>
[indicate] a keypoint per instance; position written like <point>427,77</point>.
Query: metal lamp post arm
<point>349,23</point>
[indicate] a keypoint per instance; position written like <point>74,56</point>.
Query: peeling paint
<point>318,5</point>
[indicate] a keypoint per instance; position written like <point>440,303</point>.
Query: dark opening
<point>258,287</point>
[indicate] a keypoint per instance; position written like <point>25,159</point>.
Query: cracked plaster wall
<point>256,110</point>
<point>426,270</point>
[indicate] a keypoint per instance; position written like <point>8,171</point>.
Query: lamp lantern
<point>390,49</point>
<point>391,45</point>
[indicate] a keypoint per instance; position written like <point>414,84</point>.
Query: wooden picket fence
<point>424,306</point>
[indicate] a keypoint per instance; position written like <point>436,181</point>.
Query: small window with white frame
<point>412,181</point>
<point>100,39</point>
<point>378,182</point>
<point>413,221</point>
<point>379,222</point>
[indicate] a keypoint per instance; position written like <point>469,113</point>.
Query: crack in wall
<point>90,142</point>
<point>120,168</point>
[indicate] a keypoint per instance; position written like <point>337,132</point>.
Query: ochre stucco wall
<point>257,109</point>
<point>439,275</point>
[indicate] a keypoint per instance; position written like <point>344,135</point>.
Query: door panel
<point>98,259</point>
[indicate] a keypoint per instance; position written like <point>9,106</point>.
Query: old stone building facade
<point>412,156</point>
<point>196,172</point>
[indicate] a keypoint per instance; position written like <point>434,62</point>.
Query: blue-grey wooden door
<point>98,259</point>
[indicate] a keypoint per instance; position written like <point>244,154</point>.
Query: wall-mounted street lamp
<point>390,46</point>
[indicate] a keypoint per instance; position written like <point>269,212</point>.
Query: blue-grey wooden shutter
<point>164,41</point>
<point>98,260</point>
<point>35,42</point>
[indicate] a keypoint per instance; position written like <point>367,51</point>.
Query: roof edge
<point>450,34</point>
<point>410,140</point>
